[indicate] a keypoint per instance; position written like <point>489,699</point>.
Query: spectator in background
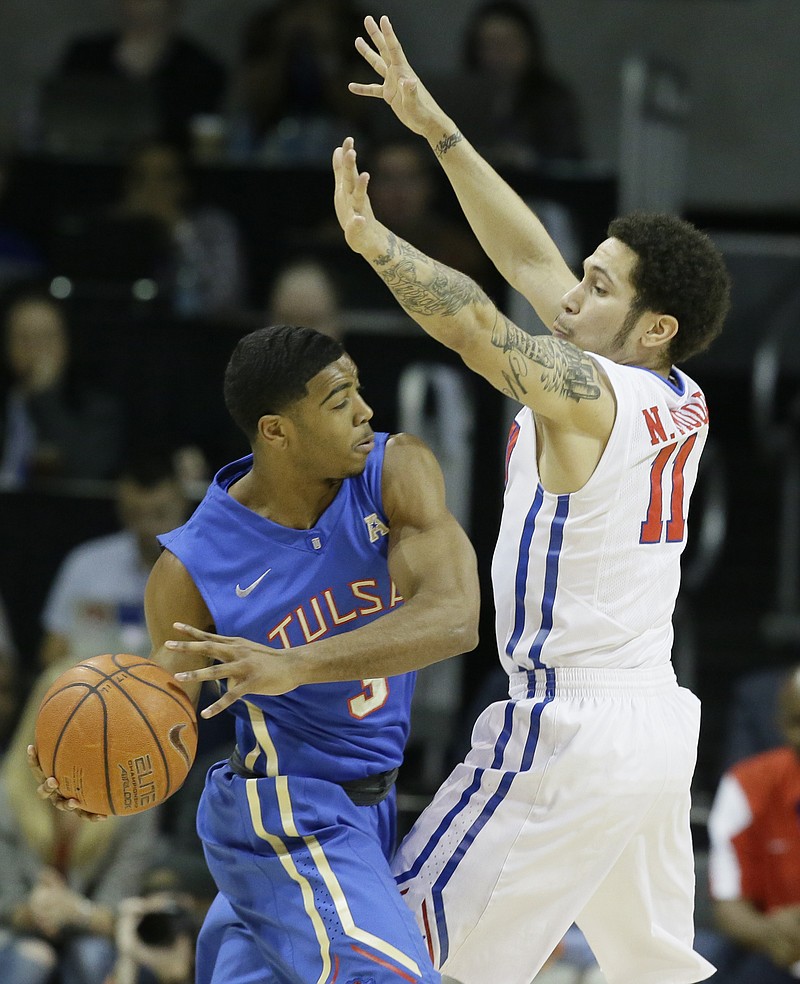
<point>202,270</point>
<point>62,879</point>
<point>149,50</point>
<point>96,602</point>
<point>753,720</point>
<point>290,101</point>
<point>305,293</point>
<point>52,425</point>
<point>155,934</point>
<point>754,861</point>
<point>533,115</point>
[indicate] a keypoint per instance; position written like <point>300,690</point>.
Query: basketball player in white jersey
<point>573,803</point>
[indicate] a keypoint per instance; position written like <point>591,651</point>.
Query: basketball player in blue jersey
<point>322,570</point>
<point>573,802</point>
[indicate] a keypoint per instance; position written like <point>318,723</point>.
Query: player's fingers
<point>338,160</point>
<point>371,57</point>
<point>219,705</point>
<point>392,50</point>
<point>33,763</point>
<point>349,170</point>
<point>360,191</point>
<point>372,89</point>
<point>48,789</point>
<point>375,33</point>
<point>219,671</point>
<point>196,633</point>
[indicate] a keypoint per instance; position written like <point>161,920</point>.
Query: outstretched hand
<point>401,88</point>
<point>350,198</point>
<point>248,667</point>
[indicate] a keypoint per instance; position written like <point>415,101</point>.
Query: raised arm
<point>555,378</point>
<point>434,568</point>
<point>510,233</point>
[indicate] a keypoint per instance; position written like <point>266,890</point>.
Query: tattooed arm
<point>510,233</point>
<point>553,377</point>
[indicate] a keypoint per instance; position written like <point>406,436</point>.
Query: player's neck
<point>284,499</point>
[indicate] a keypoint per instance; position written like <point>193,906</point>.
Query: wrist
<point>442,135</point>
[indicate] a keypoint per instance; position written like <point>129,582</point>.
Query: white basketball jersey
<point>596,572</point>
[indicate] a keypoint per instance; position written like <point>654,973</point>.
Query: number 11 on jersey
<point>670,481</point>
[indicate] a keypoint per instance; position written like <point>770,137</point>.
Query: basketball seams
<point>92,691</point>
<point>146,720</point>
<point>119,704</point>
<point>71,715</point>
<point>182,700</point>
<point>106,770</point>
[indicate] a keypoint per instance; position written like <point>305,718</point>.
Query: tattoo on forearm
<point>565,369</point>
<point>446,143</point>
<point>446,292</point>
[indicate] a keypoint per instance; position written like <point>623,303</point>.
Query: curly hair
<point>269,370</point>
<point>680,272</point>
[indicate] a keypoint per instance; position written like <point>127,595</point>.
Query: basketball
<point>118,733</point>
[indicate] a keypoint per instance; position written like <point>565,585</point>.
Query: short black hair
<point>269,370</point>
<point>679,271</point>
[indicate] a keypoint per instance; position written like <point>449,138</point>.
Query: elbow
<point>471,639</point>
<point>464,634</point>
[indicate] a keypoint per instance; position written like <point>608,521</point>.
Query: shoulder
<point>413,484</point>
<point>406,456</point>
<point>171,588</point>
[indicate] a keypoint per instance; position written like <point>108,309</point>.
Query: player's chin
<point>356,469</point>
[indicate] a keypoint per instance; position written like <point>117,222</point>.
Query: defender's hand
<point>401,87</point>
<point>350,198</point>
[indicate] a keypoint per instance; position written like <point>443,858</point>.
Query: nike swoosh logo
<point>244,592</point>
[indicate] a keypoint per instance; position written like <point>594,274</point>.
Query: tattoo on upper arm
<point>565,369</point>
<point>446,292</point>
<point>446,143</point>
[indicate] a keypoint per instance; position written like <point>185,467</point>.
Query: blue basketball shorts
<point>306,894</point>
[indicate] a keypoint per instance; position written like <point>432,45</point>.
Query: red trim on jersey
<point>335,969</point>
<point>428,938</point>
<point>513,434</point>
<point>383,963</point>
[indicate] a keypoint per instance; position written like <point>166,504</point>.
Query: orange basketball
<point>117,732</point>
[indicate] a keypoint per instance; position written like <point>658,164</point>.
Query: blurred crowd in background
<point>161,204</point>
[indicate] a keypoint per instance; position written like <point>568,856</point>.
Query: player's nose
<point>571,301</point>
<point>363,411</point>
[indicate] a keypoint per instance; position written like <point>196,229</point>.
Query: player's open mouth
<point>366,445</point>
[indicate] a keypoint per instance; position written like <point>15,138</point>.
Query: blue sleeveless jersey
<point>284,587</point>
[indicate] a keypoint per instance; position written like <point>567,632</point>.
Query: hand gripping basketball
<point>118,733</point>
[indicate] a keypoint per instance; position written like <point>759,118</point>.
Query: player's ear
<point>272,429</point>
<point>661,330</point>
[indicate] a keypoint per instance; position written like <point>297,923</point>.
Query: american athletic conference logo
<point>376,530</point>
<point>361,980</point>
